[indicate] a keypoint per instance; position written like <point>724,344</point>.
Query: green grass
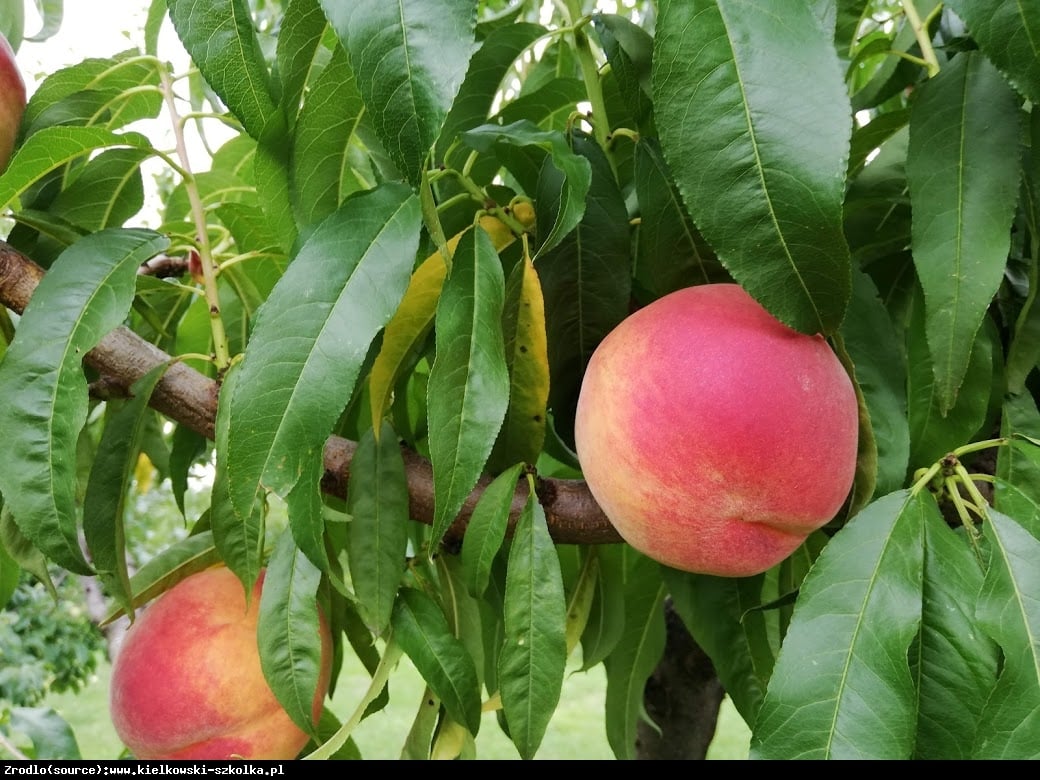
<point>575,732</point>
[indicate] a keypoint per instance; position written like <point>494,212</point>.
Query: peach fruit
<point>187,682</point>
<point>12,101</point>
<point>714,437</point>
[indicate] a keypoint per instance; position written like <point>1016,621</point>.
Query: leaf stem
<point>221,351</point>
<point>921,33</point>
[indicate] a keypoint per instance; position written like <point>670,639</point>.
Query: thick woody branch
<point>188,397</point>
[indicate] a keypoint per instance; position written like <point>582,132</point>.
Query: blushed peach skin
<point>12,100</point>
<point>714,437</point>
<point>187,682</point>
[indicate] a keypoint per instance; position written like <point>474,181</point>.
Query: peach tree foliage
<point>862,167</point>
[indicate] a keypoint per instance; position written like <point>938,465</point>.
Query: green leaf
<point>755,123</point>
<point>377,534</point>
<point>586,281</point>
<point>534,654</point>
<point>637,653</point>
<point>321,173</point>
<point>414,54</point>
<point>52,147</point>
<point>96,91</point>
<point>670,253</point>
<point>221,39</point>
<point>933,433</point>
<point>722,615</point>
<point>238,535</point>
<point>486,530</point>
<point>289,632</point>
<point>605,623</point>
<point>10,574</point>
<point>1009,611</point>
<point>421,629</point>
<point>86,294</point>
<point>468,390</point>
<point>1016,464</point>
<point>550,149</point>
<point>311,337</point>
<point>526,344</point>
<point>880,368</point>
<point>954,664</point>
<point>299,38</point>
<point>106,192</point>
<point>963,170</point>
<point>22,551</point>
<point>842,687</point>
<point>51,735</point>
<point>488,67</point>
<point>104,502</point>
<point>1009,36</point>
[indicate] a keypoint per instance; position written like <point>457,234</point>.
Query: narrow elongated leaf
<point>534,654</point>
<point>86,294</point>
<point>422,631</point>
<point>54,146</point>
<point>22,551</point>
<point>564,208</point>
<point>107,192</point>
<point>486,530</point>
<point>220,37</point>
<point>586,282</point>
<point>933,433</point>
<point>468,389</point>
<point>722,616</point>
<point>636,655</point>
<point>104,502</point>
<point>488,67</point>
<point>670,253</point>
<point>299,38</point>
<point>1009,36</point>
<point>755,123</point>
<point>377,535</point>
<point>406,332</point>
<point>238,535</point>
<point>289,632</point>
<point>312,335</point>
<point>416,53</point>
<point>1009,611</point>
<point>963,170</point>
<point>321,175</point>
<point>1015,464</point>
<point>523,430</point>
<point>605,624</point>
<point>877,356</point>
<point>842,687</point>
<point>954,664</point>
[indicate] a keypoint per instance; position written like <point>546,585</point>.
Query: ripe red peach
<point>12,101</point>
<point>714,437</point>
<point>187,681</point>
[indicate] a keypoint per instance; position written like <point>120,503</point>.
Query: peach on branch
<point>714,437</point>
<point>187,682</point>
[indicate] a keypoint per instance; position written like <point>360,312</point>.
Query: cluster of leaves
<point>862,167</point>
<point>47,641</point>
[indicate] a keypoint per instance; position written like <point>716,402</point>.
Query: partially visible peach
<point>714,437</point>
<point>187,682</point>
<point>12,101</point>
